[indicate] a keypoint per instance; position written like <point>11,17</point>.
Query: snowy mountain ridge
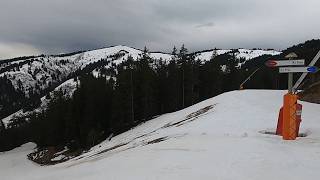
<point>33,75</point>
<point>68,86</point>
<point>40,72</point>
<point>246,54</point>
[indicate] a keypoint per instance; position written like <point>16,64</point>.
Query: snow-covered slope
<point>36,74</point>
<point>246,54</point>
<point>68,87</point>
<point>49,68</point>
<point>40,72</point>
<point>216,139</point>
<point>206,56</point>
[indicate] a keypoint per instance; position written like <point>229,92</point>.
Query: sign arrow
<point>308,69</point>
<point>312,69</point>
<point>277,63</point>
<point>271,63</point>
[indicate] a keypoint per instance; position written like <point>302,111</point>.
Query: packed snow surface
<point>216,139</point>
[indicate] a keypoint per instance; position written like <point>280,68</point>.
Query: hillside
<point>34,77</point>
<point>216,139</point>
<point>33,72</point>
<point>30,74</point>
<point>68,86</point>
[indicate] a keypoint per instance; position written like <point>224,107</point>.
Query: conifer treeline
<point>115,102</point>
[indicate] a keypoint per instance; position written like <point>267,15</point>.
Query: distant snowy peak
<point>43,70</point>
<point>84,58</point>
<point>206,56</point>
<point>246,54</point>
<point>87,57</point>
<point>106,52</point>
<point>250,54</point>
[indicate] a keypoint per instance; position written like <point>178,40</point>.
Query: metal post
<point>290,82</point>
<point>312,63</point>
<point>290,75</point>
<point>248,78</point>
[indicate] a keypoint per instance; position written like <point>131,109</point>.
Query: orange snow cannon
<point>298,120</point>
<point>289,124</point>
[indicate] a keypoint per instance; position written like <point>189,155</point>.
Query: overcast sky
<point>56,26</point>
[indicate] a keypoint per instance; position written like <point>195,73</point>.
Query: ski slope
<point>216,139</point>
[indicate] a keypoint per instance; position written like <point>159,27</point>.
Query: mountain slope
<point>34,77</point>
<point>68,86</point>
<point>32,72</point>
<point>216,139</point>
<point>246,54</point>
<point>38,72</point>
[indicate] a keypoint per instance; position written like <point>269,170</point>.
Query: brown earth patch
<point>191,117</point>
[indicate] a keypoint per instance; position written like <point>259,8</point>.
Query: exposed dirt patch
<point>147,134</point>
<point>199,112</point>
<point>157,140</point>
<point>52,155</point>
<point>112,148</point>
<point>311,94</point>
<point>191,117</point>
<point>301,134</point>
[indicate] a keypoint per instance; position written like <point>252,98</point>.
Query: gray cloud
<point>210,24</point>
<point>69,25</point>
<point>17,49</point>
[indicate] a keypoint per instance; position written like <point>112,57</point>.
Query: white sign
<point>276,63</point>
<point>308,69</point>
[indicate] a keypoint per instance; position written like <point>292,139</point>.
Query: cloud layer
<point>68,25</point>
<point>17,49</point>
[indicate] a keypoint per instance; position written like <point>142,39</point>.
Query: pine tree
<point>182,58</point>
<point>146,90</point>
<point>174,51</point>
<point>210,79</point>
<point>214,53</point>
<point>2,127</point>
<point>231,78</point>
